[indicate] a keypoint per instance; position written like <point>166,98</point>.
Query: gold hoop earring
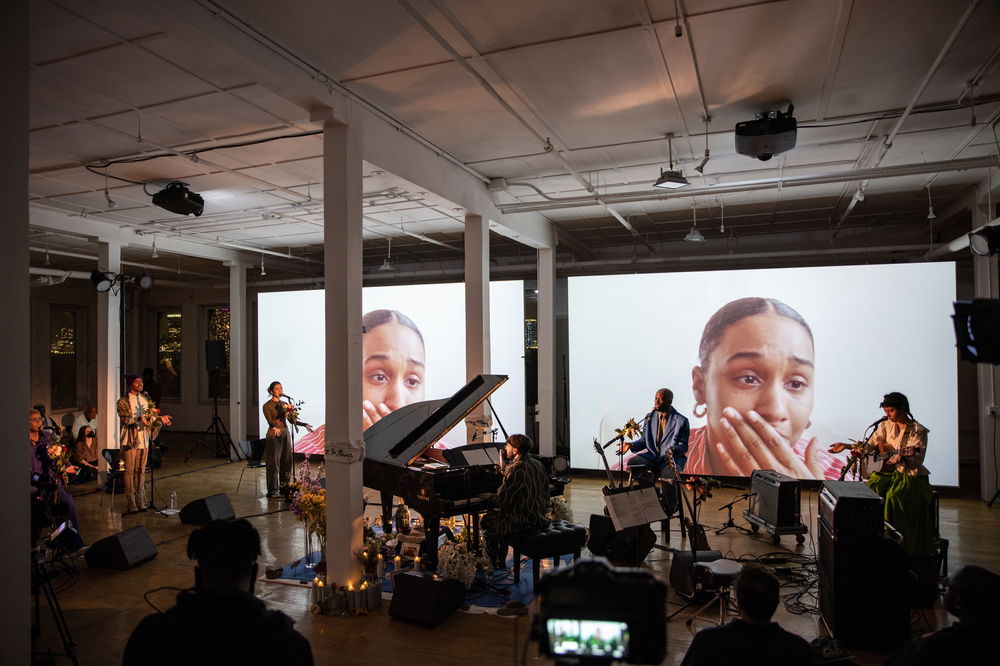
<point>704,410</point>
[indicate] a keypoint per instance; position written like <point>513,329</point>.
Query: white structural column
<point>477,311</point>
<point>15,352</point>
<point>546,352</point>
<point>109,370</point>
<point>238,374</point>
<point>342,172</point>
<point>988,376</point>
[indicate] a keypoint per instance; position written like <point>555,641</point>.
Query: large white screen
<point>290,334</point>
<point>876,329</point>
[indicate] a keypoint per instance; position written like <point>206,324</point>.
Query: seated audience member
<point>972,598</point>
<point>48,486</point>
<point>219,621</point>
<point>88,417</point>
<point>85,454</point>
<point>752,638</point>
<point>49,426</point>
<point>521,502</point>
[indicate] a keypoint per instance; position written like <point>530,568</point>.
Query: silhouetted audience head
<point>757,592</point>
<point>972,595</point>
<point>226,552</point>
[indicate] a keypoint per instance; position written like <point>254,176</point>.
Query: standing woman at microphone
<point>904,482</point>
<point>277,446</point>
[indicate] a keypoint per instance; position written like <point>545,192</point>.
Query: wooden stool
<point>558,538</point>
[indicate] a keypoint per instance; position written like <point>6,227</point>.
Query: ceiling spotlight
<point>112,204</point>
<point>694,236</point>
<point>155,255</point>
<point>930,205</point>
<point>671,179</point>
<point>102,280</point>
<point>701,167</point>
<point>262,272</point>
<point>177,198</point>
<point>985,242</point>
<point>47,262</point>
<point>144,281</point>
<point>387,266</point>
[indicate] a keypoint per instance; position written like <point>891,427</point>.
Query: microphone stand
<point>729,522</point>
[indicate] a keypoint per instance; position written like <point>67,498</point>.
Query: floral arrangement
<point>59,455</point>
<point>559,509</point>
<point>457,562</point>
<point>307,499</point>
<point>630,430</point>
<point>152,416</point>
<point>702,486</point>
<point>292,414</point>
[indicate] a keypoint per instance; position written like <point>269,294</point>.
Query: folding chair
<point>115,473</point>
<point>253,451</point>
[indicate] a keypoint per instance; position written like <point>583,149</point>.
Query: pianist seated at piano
<point>520,503</point>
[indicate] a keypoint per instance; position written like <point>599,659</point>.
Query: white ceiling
<point>488,83</point>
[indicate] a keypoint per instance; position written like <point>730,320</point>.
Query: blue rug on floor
<point>488,590</point>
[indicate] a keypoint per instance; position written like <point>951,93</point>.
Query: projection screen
<point>874,329</point>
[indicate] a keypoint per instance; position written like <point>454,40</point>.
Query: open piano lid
<point>400,437</point>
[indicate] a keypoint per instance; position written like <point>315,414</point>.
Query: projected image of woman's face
<point>758,386</point>
<point>393,369</point>
<point>763,363</point>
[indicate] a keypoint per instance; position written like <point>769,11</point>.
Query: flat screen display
<point>588,638</point>
<point>797,357</point>
<point>414,350</point>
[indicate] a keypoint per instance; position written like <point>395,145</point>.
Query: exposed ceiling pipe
<point>985,161</point>
<point>960,243</point>
<point>886,144</point>
<point>544,141</point>
<point>139,264</point>
<point>85,275</point>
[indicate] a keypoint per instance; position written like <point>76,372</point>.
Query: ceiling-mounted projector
<point>177,198</point>
<point>770,133</point>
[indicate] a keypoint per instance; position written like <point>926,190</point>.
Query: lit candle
<point>397,563</point>
<point>379,566</point>
<point>351,599</point>
<point>320,592</point>
<point>416,563</point>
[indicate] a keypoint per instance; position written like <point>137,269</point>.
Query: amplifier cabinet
<point>776,498</point>
<point>851,510</point>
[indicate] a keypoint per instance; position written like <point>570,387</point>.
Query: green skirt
<point>907,508</point>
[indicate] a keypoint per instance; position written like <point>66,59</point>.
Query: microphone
<point>884,418</point>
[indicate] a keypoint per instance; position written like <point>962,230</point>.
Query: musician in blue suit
<point>664,429</point>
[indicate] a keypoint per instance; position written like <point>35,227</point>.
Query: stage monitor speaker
<point>680,568</point>
<point>215,355</point>
<point>851,509</point>
<point>776,498</point>
<point>850,571</point>
<point>205,510</point>
<point>424,597</point>
<point>123,551</point>
<point>626,548</point>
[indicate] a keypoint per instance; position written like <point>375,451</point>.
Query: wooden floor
<point>102,606</point>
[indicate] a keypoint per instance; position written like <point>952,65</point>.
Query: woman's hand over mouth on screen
<point>749,442</point>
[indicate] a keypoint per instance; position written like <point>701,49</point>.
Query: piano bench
<point>560,537</point>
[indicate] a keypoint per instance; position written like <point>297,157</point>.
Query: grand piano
<point>396,460</point>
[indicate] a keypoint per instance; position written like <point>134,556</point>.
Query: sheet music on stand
<point>634,506</point>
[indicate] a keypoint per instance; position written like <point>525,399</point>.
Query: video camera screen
<point>588,638</point>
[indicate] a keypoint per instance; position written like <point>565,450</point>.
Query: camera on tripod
<point>592,612</point>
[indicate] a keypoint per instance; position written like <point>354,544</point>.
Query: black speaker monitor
<point>123,551</point>
<point>850,570</point>
<point>215,355</point>
<point>776,498</point>
<point>424,597</point>
<point>205,510</point>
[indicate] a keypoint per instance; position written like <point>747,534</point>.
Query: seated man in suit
<point>664,433</point>
<point>219,621</point>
